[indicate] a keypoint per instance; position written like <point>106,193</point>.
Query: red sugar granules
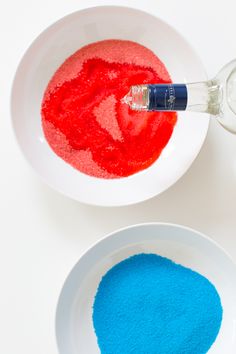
<point>85,122</point>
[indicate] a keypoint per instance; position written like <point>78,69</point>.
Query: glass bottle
<point>216,97</point>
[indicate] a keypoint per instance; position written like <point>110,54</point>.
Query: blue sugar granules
<point>147,304</point>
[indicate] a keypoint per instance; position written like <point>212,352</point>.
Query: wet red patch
<point>84,120</point>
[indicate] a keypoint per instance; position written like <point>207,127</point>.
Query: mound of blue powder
<point>147,304</point>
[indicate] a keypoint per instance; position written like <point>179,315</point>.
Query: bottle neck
<point>198,97</point>
<point>204,97</point>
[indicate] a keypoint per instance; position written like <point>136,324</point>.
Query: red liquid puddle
<point>85,122</point>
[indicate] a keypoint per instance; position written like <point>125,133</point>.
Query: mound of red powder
<point>85,122</point>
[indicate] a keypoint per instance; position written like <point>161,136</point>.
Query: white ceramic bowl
<point>74,327</point>
<point>49,51</point>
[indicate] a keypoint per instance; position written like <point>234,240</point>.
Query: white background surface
<point>42,233</point>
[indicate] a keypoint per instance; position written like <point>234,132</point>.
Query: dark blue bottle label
<point>167,97</point>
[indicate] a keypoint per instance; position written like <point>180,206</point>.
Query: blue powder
<point>147,304</point>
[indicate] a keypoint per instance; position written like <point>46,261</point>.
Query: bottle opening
<point>137,98</point>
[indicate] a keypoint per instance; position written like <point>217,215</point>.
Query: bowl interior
<point>74,327</point>
<point>49,51</point>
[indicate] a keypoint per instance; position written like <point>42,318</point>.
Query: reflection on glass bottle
<point>216,97</point>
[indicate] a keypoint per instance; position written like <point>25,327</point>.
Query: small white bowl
<point>74,327</point>
<point>49,51</point>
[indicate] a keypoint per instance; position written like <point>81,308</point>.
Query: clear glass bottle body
<point>216,97</point>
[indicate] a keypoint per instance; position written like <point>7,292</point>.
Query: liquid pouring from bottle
<point>216,97</point>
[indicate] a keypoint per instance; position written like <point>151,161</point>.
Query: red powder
<point>85,122</point>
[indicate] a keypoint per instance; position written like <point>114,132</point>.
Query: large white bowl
<point>74,327</point>
<point>49,51</point>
